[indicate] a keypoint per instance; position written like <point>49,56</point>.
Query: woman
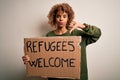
<point>61,18</point>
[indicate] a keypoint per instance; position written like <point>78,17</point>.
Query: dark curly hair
<point>60,7</point>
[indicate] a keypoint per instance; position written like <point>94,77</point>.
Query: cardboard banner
<point>56,57</point>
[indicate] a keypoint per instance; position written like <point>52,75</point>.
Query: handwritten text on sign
<point>53,56</point>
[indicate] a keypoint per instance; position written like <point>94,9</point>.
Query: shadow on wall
<point>44,28</point>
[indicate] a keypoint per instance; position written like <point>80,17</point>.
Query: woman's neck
<point>61,30</point>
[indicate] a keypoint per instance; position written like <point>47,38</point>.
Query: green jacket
<point>89,35</point>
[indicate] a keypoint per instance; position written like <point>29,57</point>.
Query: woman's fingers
<point>26,58</point>
<point>72,26</point>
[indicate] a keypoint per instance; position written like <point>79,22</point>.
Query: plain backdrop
<point>21,19</point>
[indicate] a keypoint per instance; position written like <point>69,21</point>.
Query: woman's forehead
<point>61,13</point>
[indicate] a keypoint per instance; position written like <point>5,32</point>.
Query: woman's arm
<point>89,33</point>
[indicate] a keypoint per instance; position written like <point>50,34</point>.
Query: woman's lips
<point>61,23</point>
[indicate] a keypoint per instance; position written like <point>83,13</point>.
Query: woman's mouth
<point>61,23</point>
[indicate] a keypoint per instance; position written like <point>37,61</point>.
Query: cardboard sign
<point>56,57</point>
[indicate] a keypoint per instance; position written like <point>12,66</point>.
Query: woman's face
<point>61,19</point>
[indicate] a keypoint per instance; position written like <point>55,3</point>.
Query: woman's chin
<point>61,26</point>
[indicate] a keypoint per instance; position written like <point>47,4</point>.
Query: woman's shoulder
<point>77,32</point>
<point>50,33</point>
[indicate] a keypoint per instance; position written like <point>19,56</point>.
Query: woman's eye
<point>64,16</point>
<point>57,16</point>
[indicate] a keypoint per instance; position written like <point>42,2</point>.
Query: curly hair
<point>60,7</point>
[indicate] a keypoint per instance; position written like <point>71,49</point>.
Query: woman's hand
<point>74,25</point>
<point>25,59</point>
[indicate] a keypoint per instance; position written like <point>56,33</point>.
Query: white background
<point>28,18</point>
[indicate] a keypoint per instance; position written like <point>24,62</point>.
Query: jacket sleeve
<point>91,34</point>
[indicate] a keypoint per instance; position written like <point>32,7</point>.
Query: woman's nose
<point>61,18</point>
